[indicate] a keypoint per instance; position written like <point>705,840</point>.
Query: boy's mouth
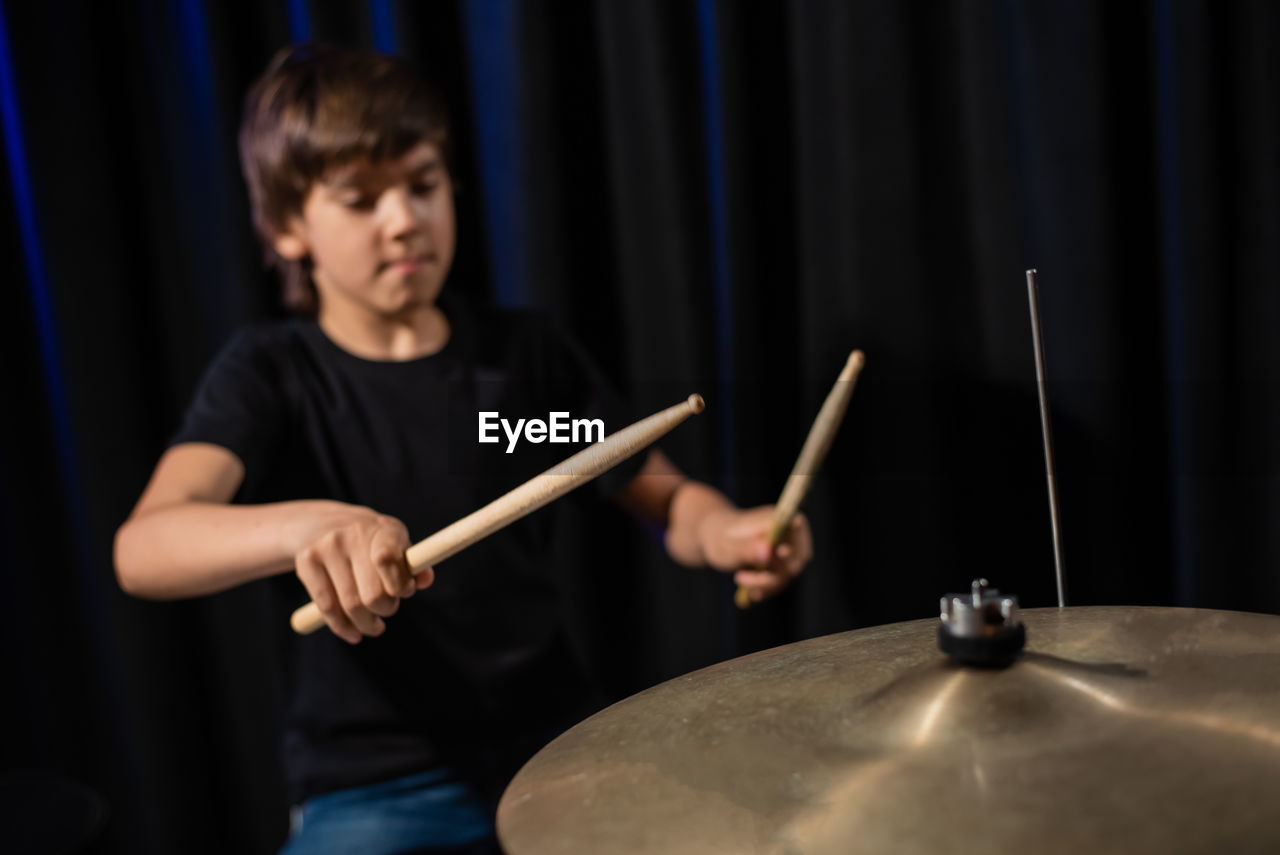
<point>405,265</point>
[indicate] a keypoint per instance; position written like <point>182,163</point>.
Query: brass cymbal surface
<point>1119,730</point>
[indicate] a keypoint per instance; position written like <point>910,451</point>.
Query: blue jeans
<point>430,812</point>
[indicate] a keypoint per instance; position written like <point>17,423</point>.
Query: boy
<point>341,432</point>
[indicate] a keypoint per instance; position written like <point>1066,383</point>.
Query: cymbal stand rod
<point>1042,387</point>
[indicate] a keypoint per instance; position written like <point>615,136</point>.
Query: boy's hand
<point>738,541</point>
<point>353,566</point>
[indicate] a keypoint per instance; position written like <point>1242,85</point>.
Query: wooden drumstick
<point>529,496</point>
<point>811,456</point>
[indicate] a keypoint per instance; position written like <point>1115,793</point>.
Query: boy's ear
<point>289,244</point>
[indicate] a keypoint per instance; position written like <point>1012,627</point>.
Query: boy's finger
<point>786,565</point>
<point>373,594</point>
<point>386,551</point>
<point>394,576</point>
<point>762,592</point>
<point>320,588</point>
<point>347,584</point>
<point>752,523</point>
<point>757,553</point>
<point>754,578</point>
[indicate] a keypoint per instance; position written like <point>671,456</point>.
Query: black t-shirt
<point>475,671</point>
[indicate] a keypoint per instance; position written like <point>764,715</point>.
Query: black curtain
<point>714,197</point>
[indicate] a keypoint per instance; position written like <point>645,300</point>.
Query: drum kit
<point>990,729</point>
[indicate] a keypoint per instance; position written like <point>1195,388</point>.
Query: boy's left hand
<point>737,541</point>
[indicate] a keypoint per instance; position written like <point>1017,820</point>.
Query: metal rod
<point>1042,387</point>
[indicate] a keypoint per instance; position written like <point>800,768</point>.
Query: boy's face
<point>380,235</point>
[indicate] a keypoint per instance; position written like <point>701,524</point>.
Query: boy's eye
<point>358,201</point>
<point>424,188</point>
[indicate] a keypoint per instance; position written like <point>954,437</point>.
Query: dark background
<point>713,196</point>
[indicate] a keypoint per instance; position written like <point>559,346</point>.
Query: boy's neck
<point>417,332</point>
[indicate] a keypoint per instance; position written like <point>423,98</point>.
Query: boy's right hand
<point>353,566</point>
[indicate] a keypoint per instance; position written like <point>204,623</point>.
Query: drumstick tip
<point>696,403</point>
<point>852,366</point>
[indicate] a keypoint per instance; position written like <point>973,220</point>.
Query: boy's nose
<point>399,216</point>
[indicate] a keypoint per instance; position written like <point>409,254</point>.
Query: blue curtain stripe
<point>33,259</point>
<point>299,21</point>
<point>493,49</point>
<point>722,275</point>
<point>1174,295</point>
<point>720,261</point>
<point>383,26</point>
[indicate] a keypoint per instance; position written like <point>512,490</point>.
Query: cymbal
<point>1119,730</point>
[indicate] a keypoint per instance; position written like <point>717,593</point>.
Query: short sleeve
<point>240,402</point>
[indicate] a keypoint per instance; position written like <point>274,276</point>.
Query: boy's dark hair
<point>316,108</point>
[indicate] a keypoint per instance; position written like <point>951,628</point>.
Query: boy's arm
<point>184,539</point>
<point>703,528</point>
